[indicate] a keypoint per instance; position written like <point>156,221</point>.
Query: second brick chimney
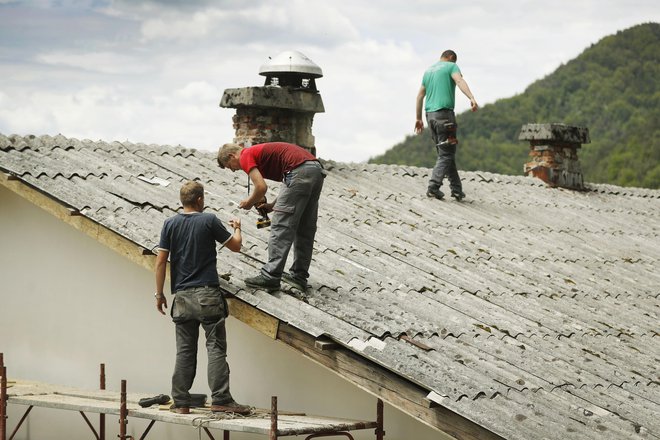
<point>553,153</point>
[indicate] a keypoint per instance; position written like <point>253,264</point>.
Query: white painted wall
<point>67,304</point>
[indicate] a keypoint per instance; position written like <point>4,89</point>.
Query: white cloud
<point>284,21</point>
<point>109,114</point>
<point>173,26</point>
<point>197,91</point>
<point>100,62</point>
<point>27,118</point>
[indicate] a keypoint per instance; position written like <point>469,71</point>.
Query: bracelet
<point>159,295</point>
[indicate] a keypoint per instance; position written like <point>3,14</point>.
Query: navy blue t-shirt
<point>190,240</point>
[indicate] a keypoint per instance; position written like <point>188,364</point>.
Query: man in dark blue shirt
<point>189,240</point>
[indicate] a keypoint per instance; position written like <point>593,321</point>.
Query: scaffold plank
<point>108,402</point>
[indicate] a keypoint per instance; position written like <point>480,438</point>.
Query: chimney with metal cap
<point>283,108</point>
<point>553,153</point>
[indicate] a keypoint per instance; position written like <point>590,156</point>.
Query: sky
<point>154,71</point>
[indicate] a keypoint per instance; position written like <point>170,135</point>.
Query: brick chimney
<point>553,153</point>
<point>282,110</point>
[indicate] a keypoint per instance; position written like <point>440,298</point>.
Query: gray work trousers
<point>191,308</point>
<point>445,165</point>
<point>294,221</point>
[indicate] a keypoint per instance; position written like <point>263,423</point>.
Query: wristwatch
<point>158,294</point>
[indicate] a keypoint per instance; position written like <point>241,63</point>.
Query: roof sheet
<point>529,310</point>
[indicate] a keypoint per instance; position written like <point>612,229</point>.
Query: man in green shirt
<point>439,87</point>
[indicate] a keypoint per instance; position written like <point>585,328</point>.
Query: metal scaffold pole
<point>3,399</point>
<point>273,418</point>
<point>102,416</point>
<point>123,412</point>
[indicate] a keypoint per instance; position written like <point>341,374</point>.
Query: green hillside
<point>611,88</point>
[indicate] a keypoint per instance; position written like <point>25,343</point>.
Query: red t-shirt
<point>274,159</point>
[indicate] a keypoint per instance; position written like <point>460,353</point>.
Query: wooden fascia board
<point>255,318</point>
<point>366,375</point>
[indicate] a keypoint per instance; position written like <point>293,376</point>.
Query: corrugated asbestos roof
<point>529,310</point>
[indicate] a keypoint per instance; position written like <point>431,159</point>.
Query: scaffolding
<point>273,423</point>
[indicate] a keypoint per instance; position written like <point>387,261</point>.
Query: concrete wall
<point>67,304</point>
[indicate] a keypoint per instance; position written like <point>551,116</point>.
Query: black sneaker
<point>297,283</point>
<point>160,399</point>
<point>437,194</point>
<point>261,282</point>
<point>458,195</point>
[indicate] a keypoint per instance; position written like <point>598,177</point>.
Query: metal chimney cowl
<point>291,69</point>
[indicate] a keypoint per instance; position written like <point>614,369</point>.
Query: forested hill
<point>611,88</point>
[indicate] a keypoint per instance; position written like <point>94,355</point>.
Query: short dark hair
<point>226,151</point>
<point>449,55</point>
<point>190,192</point>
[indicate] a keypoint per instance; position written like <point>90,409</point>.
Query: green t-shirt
<point>440,86</point>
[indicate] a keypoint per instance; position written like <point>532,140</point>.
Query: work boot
<point>437,194</point>
<point>180,409</point>
<point>261,282</point>
<point>458,195</point>
<point>294,282</point>
<point>232,407</point>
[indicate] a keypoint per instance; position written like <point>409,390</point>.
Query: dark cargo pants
<point>445,165</point>
<point>192,307</point>
<point>294,221</point>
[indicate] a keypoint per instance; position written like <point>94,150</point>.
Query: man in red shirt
<point>295,210</point>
